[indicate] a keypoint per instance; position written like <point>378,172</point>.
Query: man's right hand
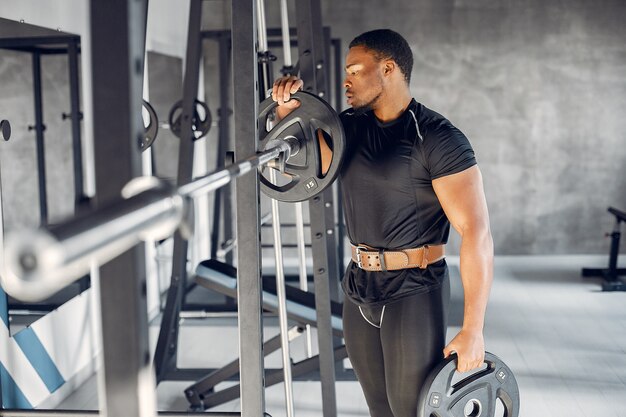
<point>282,90</point>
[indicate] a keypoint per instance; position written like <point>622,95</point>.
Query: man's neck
<point>392,105</point>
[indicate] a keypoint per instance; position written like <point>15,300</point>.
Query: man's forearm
<point>477,275</point>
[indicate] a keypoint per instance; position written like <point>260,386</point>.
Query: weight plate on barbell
<point>474,396</point>
<point>199,124</point>
<point>151,130</point>
<point>302,178</point>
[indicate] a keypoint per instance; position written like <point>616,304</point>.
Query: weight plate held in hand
<point>475,395</point>
<point>199,124</point>
<point>302,178</point>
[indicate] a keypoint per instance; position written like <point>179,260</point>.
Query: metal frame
<point>322,211</point>
<point>38,41</point>
<point>165,357</point>
<point>266,80</point>
<point>39,128</point>
<point>75,116</point>
<point>313,63</point>
<point>167,345</point>
<point>223,195</point>
<point>202,394</point>
<point>222,207</point>
<point>23,37</point>
<point>197,393</point>
<point>117,76</point>
<point>126,378</point>
<point>250,319</point>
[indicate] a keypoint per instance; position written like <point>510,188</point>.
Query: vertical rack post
<point>118,44</point>
<point>249,290</point>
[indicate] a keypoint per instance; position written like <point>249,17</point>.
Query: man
<point>408,174</point>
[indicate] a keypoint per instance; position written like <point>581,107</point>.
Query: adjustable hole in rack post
<point>5,129</point>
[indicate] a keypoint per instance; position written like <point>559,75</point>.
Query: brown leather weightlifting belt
<point>371,259</point>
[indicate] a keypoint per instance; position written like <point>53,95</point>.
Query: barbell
<point>40,262</point>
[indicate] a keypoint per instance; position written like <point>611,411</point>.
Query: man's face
<point>364,80</point>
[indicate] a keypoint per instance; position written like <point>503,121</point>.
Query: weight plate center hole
<point>473,408</point>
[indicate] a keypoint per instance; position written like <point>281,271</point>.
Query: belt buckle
<point>358,249</point>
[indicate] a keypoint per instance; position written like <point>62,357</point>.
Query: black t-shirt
<point>388,198</point>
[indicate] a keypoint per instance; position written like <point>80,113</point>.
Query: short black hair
<point>388,44</point>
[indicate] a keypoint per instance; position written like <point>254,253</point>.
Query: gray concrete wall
<point>20,193</point>
<point>538,87</point>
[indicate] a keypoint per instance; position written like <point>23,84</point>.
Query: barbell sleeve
<point>40,262</point>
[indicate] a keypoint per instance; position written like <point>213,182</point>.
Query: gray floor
<point>564,339</point>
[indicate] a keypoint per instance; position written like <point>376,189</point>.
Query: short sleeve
<point>447,151</point>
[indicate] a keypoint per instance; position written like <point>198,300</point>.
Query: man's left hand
<point>470,349</point>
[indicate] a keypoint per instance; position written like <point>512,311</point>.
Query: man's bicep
<point>462,198</point>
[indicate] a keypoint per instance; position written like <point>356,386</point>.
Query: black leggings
<point>393,348</point>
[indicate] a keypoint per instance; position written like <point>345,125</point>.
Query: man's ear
<point>389,67</point>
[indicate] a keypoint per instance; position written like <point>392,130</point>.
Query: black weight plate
<point>152,129</point>
<point>200,125</point>
<point>303,171</point>
<point>475,395</point>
